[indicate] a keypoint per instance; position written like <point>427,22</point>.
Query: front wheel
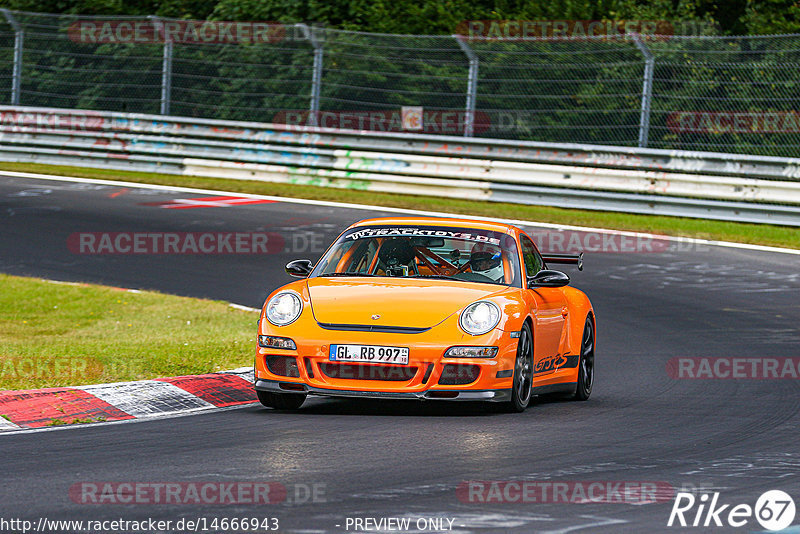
<point>586,363</point>
<point>523,372</point>
<point>281,401</point>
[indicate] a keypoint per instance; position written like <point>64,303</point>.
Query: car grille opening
<point>351,371</point>
<point>427,373</point>
<point>443,394</point>
<point>283,366</point>
<point>458,374</point>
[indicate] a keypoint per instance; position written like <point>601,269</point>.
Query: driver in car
<point>486,260</point>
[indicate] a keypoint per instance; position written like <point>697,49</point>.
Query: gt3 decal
<point>554,363</point>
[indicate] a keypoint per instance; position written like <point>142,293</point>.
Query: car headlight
<point>284,308</point>
<point>479,317</point>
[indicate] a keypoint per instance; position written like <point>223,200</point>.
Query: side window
<point>533,260</point>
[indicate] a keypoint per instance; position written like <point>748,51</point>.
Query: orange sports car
<point>427,308</point>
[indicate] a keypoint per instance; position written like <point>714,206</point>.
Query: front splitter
<point>490,395</point>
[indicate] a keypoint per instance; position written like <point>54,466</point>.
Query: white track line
<point>61,282</point>
<point>346,205</point>
<point>243,308</point>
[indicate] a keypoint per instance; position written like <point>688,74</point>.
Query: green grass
<point>60,335</point>
<point>718,230</point>
<point>76,421</point>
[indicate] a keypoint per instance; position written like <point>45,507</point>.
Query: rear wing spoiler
<point>572,259</point>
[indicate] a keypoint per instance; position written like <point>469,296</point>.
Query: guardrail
<point>731,187</point>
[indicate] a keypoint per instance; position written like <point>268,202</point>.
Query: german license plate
<point>369,353</point>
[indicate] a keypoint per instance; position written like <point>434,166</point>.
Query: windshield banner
<point>421,232</point>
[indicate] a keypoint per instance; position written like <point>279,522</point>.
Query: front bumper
<point>277,386</point>
<point>428,374</point>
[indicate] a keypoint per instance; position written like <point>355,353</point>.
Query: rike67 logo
<point>774,510</point>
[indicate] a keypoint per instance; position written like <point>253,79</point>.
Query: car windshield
<point>436,252</point>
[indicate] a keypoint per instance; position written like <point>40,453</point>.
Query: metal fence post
<point>472,86</point>
<point>316,72</point>
<point>16,76</point>
<point>166,66</point>
<point>647,90</point>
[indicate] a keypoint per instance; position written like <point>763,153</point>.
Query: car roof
<point>443,221</point>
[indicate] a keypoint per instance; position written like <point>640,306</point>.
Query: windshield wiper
<point>443,277</point>
<point>438,277</point>
<point>348,273</point>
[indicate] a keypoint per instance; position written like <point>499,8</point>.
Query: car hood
<point>398,302</point>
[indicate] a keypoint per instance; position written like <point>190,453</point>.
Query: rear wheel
<point>281,401</point>
<point>586,363</point>
<point>523,372</point>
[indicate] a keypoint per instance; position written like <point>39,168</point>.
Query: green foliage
<point>442,16</point>
<point>766,17</point>
<point>550,91</point>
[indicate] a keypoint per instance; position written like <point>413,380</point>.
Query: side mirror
<point>547,278</point>
<point>299,268</point>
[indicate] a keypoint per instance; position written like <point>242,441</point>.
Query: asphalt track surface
<point>400,459</point>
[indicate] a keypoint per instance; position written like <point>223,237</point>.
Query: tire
<point>521,390</point>
<point>281,401</point>
<point>586,363</point>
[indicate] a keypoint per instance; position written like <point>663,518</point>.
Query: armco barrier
<point>707,185</point>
